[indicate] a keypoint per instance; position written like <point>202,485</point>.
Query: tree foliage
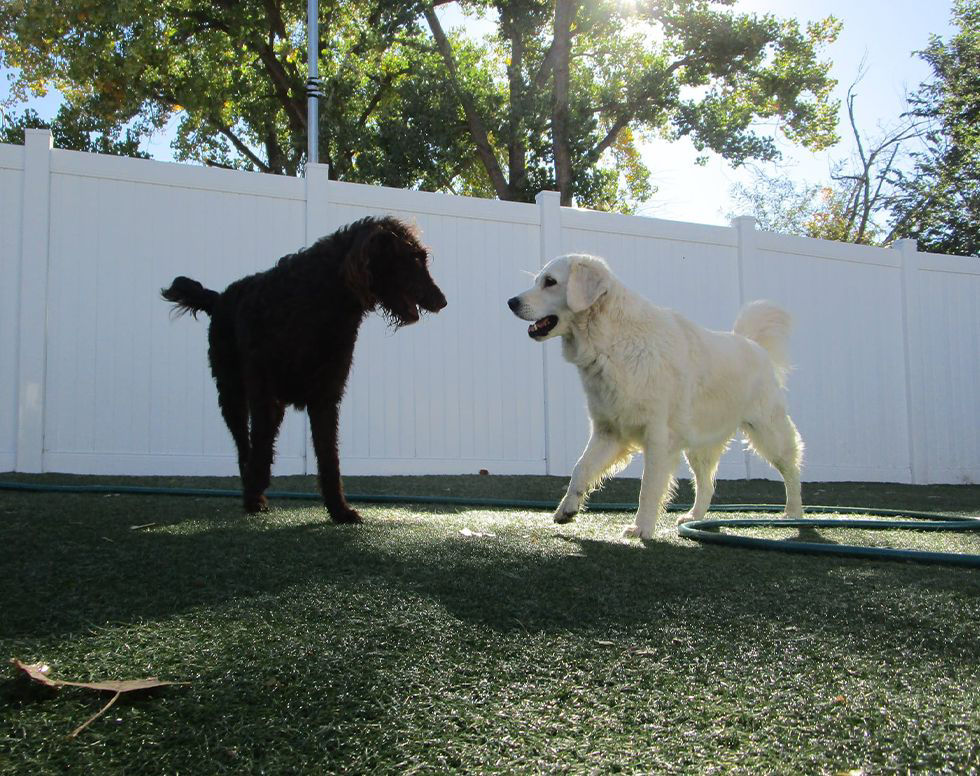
<point>233,70</point>
<point>584,81</point>
<point>777,203</point>
<point>938,201</point>
<point>77,130</point>
<point>558,95</point>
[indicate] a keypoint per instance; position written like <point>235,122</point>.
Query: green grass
<point>403,646</point>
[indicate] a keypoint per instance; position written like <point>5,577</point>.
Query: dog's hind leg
<point>323,426</point>
<point>778,442</point>
<point>601,454</point>
<point>234,409</point>
<point>266,416</point>
<point>704,463</point>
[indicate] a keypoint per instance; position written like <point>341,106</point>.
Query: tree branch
<point>243,149</point>
<point>384,83</point>
<point>866,193</point>
<point>281,85</point>
<point>477,130</point>
<point>562,45</point>
<point>516,150</point>
<point>171,101</point>
<point>545,68</point>
<point>274,11</point>
<point>629,110</point>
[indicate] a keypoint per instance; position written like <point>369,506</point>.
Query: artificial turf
<point>447,639</point>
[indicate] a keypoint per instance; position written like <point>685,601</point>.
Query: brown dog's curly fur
<point>286,336</point>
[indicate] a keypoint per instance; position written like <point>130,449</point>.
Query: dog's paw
<point>561,517</point>
<point>255,504</point>
<point>688,517</point>
<point>346,516</point>
<point>635,532</point>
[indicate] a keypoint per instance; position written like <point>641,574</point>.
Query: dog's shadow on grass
<point>608,585</point>
<point>538,578</point>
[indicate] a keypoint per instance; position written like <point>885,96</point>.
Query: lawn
<point>453,639</point>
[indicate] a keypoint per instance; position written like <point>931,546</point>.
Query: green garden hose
<point>705,531</point>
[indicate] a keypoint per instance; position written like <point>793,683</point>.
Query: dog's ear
<point>587,281</point>
<point>357,266</point>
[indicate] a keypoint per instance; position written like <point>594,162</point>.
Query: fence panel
<point>129,391</point>
<point>947,367</point>
<point>11,182</point>
<point>452,393</point>
<point>847,389</point>
<point>95,377</point>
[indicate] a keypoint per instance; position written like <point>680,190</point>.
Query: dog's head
<point>388,266</point>
<point>568,286</point>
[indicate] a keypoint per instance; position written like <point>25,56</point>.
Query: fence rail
<point>95,377</point>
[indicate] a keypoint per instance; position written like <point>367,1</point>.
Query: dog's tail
<point>189,296</point>
<point>770,326</point>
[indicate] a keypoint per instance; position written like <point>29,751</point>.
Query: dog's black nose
<point>513,303</point>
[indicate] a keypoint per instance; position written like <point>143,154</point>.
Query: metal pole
<point>313,92</point>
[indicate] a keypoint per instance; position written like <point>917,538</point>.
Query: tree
<point>558,97</point>
<point>778,203</point>
<point>938,201</point>
<point>863,189</point>
<point>234,70</point>
<point>590,77</point>
<point>853,206</point>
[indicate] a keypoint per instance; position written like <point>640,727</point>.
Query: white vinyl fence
<point>96,378</point>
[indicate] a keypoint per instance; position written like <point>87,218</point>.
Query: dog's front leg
<point>659,465</point>
<point>601,452</point>
<point>323,427</point>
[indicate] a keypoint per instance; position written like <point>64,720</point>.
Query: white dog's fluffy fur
<point>660,384</point>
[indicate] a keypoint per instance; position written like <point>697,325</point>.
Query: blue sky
<point>881,33</point>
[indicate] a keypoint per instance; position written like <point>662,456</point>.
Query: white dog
<point>660,384</point>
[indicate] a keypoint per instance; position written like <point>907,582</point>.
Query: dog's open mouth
<point>541,327</point>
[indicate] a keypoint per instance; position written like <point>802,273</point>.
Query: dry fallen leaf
<point>468,532</point>
<point>38,672</point>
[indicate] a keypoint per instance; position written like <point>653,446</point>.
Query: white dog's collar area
<point>542,327</point>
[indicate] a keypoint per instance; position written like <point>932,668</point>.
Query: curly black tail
<point>189,296</point>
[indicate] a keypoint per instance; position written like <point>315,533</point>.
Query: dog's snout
<point>432,298</point>
<point>513,303</point>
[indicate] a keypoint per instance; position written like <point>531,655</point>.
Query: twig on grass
<point>95,716</point>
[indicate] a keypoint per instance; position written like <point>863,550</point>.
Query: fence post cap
<point>906,244</point>
<point>41,136</point>
<point>747,222</point>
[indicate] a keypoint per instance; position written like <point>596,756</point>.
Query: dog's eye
<point>549,281</point>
